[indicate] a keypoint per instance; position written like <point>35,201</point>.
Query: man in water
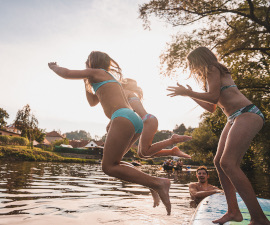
<point>202,189</point>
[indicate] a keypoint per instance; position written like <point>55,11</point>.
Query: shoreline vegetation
<point>23,153</point>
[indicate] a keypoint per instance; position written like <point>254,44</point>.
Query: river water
<point>38,193</point>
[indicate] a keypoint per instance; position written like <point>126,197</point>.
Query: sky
<point>35,32</point>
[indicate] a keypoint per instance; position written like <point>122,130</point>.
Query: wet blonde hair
<point>101,60</point>
<point>200,62</point>
<point>131,85</point>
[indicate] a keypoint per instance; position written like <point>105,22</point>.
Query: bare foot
<point>180,138</point>
<point>229,217</point>
<point>177,152</point>
<point>163,192</point>
<point>155,198</point>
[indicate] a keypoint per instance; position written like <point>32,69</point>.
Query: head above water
<point>202,174</point>
<point>131,84</point>
<point>202,168</point>
<point>101,60</point>
<point>200,62</point>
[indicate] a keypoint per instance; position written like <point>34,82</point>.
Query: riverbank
<point>23,153</point>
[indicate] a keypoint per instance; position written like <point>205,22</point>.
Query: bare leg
<point>120,136</point>
<point>233,213</point>
<point>154,194</point>
<point>245,127</point>
<point>175,151</point>
<point>148,150</point>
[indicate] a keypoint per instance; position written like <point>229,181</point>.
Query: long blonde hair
<point>200,62</point>
<point>131,85</point>
<point>101,60</point>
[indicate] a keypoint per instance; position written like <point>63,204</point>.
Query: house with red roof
<point>10,130</point>
<point>53,136</point>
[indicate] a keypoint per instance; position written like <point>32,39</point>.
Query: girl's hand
<point>179,90</point>
<point>52,65</point>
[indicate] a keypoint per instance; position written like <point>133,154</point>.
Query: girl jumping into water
<point>245,120</point>
<point>126,125</point>
<point>146,149</point>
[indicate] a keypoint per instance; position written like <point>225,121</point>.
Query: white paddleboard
<point>214,206</point>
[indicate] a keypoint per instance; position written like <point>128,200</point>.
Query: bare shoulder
<point>95,74</point>
<point>193,185</point>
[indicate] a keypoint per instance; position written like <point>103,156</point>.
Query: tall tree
<point>27,123</point>
<point>78,135</point>
<point>203,145</point>
<point>3,115</point>
<point>180,129</point>
<point>239,32</point>
<point>233,28</point>
<point>162,135</point>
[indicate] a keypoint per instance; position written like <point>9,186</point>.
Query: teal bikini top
<point>228,86</point>
<point>96,86</point>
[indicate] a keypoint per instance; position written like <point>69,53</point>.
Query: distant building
<point>78,143</point>
<point>13,129</point>
<point>9,133</point>
<point>95,144</point>
<point>53,136</point>
<point>66,146</point>
<point>10,130</point>
<point>86,144</point>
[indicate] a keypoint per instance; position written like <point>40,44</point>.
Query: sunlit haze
<point>34,33</point>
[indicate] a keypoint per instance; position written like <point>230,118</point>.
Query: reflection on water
<point>58,193</point>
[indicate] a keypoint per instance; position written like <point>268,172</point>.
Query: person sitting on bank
<point>202,189</point>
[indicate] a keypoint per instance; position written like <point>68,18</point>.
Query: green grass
<point>22,153</point>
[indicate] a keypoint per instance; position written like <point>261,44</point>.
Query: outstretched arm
<point>196,194</point>
<point>207,106</point>
<point>71,74</point>
<point>91,97</point>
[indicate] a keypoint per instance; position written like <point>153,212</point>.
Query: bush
<point>10,140</point>
<point>78,150</point>
<point>61,141</point>
<point>4,139</point>
<point>19,141</point>
<point>24,154</point>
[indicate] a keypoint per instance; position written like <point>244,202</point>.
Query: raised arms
<point>207,100</point>
<point>77,74</point>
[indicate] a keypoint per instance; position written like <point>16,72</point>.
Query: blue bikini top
<point>228,86</point>
<point>96,86</point>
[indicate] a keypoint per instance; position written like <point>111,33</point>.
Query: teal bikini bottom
<point>250,108</point>
<point>131,116</point>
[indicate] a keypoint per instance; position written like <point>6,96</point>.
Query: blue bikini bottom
<point>250,108</point>
<point>131,116</point>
